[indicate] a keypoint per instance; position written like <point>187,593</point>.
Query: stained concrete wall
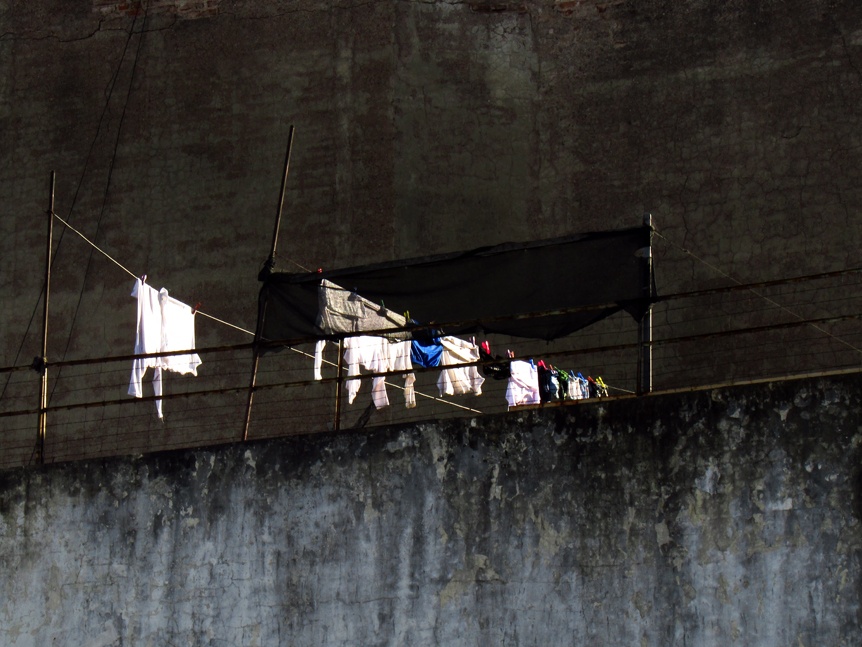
<point>422,127</point>
<point>728,517</point>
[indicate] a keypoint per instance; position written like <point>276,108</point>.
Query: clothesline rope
<point>424,395</point>
<point>135,276</point>
<point>248,332</point>
<point>290,260</point>
<point>97,248</point>
<point>755,292</point>
<point>226,323</point>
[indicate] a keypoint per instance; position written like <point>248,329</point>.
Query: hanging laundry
<point>370,353</point>
<point>318,358</point>
<point>378,355</point>
<point>163,325</point>
<point>523,386</point>
<point>601,387</point>
<point>584,385</point>
<point>564,380</point>
<point>463,379</point>
<point>548,383</point>
<point>597,386</point>
<point>426,354</point>
<point>575,392</point>
<point>392,357</point>
<point>499,369</point>
<point>343,311</point>
<point>400,360</point>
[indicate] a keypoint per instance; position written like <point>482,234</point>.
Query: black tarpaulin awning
<point>543,290</point>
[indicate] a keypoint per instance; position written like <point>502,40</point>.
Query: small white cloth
<point>463,379</point>
<point>399,360</point>
<point>318,358</point>
<point>163,325</point>
<point>523,387</point>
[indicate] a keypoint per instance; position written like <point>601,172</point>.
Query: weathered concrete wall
<point>729,517</point>
<point>422,127</point>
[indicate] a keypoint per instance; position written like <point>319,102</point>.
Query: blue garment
<point>426,355</point>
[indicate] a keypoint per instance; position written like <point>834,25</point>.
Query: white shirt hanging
<point>367,352</point>
<point>463,379</point>
<point>378,355</point>
<point>163,325</point>
<point>523,386</point>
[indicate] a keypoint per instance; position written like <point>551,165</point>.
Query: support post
<point>264,273</point>
<point>42,361</point>
<point>251,389</point>
<point>270,262</point>
<point>339,382</point>
<point>644,377</point>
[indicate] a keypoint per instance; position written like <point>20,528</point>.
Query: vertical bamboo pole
<point>644,378</point>
<point>270,263</point>
<point>339,382</point>
<point>271,260</point>
<point>43,359</point>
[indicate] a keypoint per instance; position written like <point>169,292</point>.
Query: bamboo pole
<point>42,362</point>
<point>270,263</point>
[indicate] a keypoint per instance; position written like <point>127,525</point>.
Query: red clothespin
<point>320,270</point>
<point>195,309</point>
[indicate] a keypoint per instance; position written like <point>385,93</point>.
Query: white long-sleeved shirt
<point>163,325</point>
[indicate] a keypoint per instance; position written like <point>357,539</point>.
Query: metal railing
<point>726,335</point>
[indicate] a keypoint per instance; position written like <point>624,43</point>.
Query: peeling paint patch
<point>478,569</point>
<point>708,483</point>
<point>784,504</point>
<point>662,534</point>
<point>400,444</point>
